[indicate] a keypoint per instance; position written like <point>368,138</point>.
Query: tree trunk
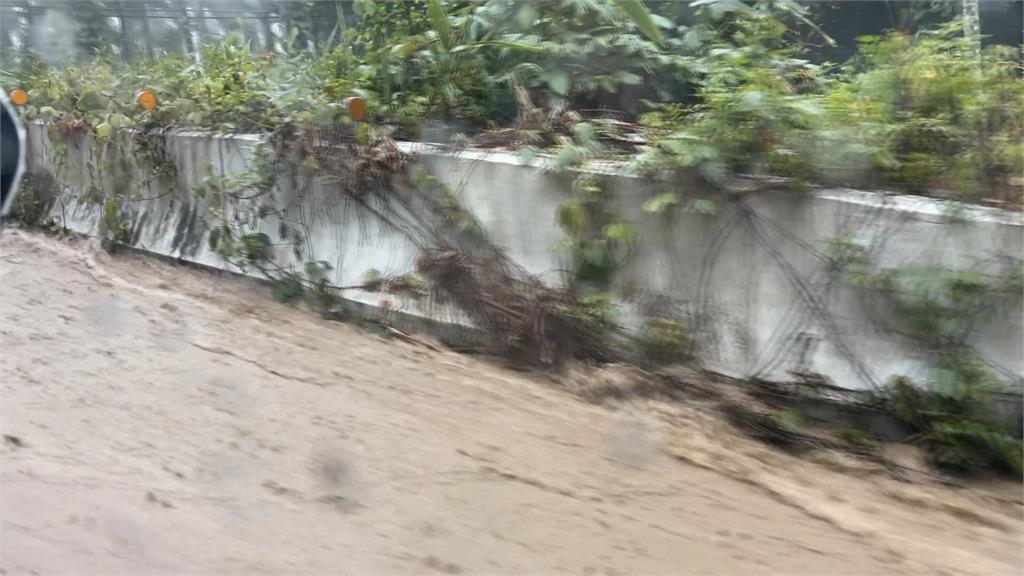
<point>972,25</point>
<point>127,51</point>
<point>146,33</point>
<point>29,25</point>
<point>200,17</point>
<point>268,31</point>
<point>187,33</point>
<point>6,44</point>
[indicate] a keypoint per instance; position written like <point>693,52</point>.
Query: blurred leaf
<point>288,289</point>
<point>596,253</point>
<point>584,132</point>
<point>629,78</point>
<point>256,247</point>
<point>572,217</point>
<point>118,121</point>
<point>641,16</point>
<point>558,80</point>
<point>439,21</point>
<point>703,206</point>
<point>214,238</point>
<point>103,131</point>
<point>661,202</point>
<point>526,155</point>
<point>318,270</point>
<point>751,100</point>
<point>623,232</point>
<point>526,15</point>
<point>567,157</point>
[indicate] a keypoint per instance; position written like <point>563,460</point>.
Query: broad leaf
<point>661,202</point>
<point>572,217</point>
<point>641,16</point>
<point>619,232</point>
<point>439,21</point>
<point>559,81</point>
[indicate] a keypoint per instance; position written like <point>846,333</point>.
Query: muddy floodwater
<point>159,419</point>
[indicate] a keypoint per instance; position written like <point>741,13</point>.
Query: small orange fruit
<point>19,97</point>
<point>356,107</point>
<point>146,99</point>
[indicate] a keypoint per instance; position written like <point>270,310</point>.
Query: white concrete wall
<point>748,314</point>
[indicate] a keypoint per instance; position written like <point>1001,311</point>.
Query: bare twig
<point>410,339</point>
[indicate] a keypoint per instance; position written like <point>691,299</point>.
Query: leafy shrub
<point>288,289</point>
<point>230,92</point>
<point>755,105</point>
<point>927,114</point>
<point>953,419</point>
<point>719,87</point>
<point>37,191</point>
<point>663,340</point>
<point>595,237</point>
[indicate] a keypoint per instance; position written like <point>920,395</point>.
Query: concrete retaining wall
<point>751,280</point>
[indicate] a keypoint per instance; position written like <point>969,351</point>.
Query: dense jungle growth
<point>712,87</point>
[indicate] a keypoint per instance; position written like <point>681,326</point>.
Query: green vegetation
<point>954,421</point>
<point>702,92</point>
<point>595,237</point>
<point>929,115</point>
<point>716,87</point>
<point>937,309</point>
<point>663,340</point>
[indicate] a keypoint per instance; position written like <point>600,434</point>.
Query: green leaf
<point>568,156</point>
<point>214,239</point>
<point>526,15</point>
<point>91,101</point>
<point>559,81</point>
<point>641,17</point>
<point>572,217</point>
<point>619,232</point>
<point>799,12</point>
<point>703,206</point>
<point>584,132</point>
<point>695,37</point>
<point>527,155</point>
<point>288,289</point>
<point>629,78</point>
<point>505,45</point>
<point>118,121</point>
<point>318,270</point>
<point>676,146</point>
<point>806,106</point>
<point>103,131</point>
<point>564,245</point>
<point>661,202</point>
<point>751,100</point>
<point>363,8</point>
<point>596,252</point>
<point>256,247</point>
<point>714,172</point>
<point>439,22</point>
<point>661,21</point>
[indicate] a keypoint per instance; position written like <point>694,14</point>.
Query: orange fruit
<point>19,97</point>
<point>356,107</point>
<point>146,99</point>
